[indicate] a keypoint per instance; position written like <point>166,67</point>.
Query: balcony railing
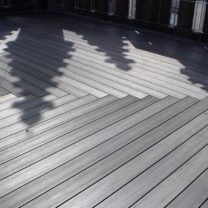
<point>183,14</point>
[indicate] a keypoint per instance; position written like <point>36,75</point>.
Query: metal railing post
<point>199,16</point>
<point>132,9</point>
<point>111,7</point>
<point>174,13</point>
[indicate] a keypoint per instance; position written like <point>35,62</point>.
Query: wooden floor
<point>100,115</point>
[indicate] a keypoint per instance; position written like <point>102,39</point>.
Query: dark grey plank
<point>194,195</point>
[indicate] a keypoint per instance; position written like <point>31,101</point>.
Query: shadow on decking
<point>22,59</point>
<point>117,37</point>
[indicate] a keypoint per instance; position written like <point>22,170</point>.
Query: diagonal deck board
<point>196,193</point>
<point>100,114</point>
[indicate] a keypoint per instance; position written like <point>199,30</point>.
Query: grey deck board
<point>94,113</point>
<point>161,82</point>
<point>36,82</point>
<point>117,143</point>
<point>57,118</point>
<point>89,82</point>
<point>195,194</point>
<point>9,102</point>
<point>19,126</point>
<point>42,74</point>
<point>54,144</point>
<point>12,88</point>
<point>79,135</point>
<point>59,175</point>
<point>143,180</point>
<point>168,189</point>
<point>205,204</point>
<point>12,116</point>
<point>3,92</point>
<point>31,102</point>
<point>30,88</point>
<point>7,98</point>
<point>179,82</point>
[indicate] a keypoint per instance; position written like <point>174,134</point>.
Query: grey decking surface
<point>100,115</point>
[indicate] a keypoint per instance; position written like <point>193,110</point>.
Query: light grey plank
<point>57,117</point>
<point>76,83</point>
<point>144,181</point>
<point>33,113</point>
<point>194,195</point>
<point>7,98</point>
<point>200,94</point>
<point>11,100</point>
<point>75,137</point>
<point>174,184</point>
<point>19,114</point>
<point>27,146</point>
<point>106,149</point>
<point>205,204</point>
<point>17,91</point>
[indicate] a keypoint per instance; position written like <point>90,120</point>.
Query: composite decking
<point>95,114</point>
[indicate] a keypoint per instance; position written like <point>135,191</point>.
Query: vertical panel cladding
<point>42,4</point>
<point>157,11</point>
<point>122,8</point>
<point>186,14</point>
<point>19,5</point>
<point>148,10</point>
<point>101,6</point>
<point>70,3</point>
<point>62,5</point>
<point>206,20</point>
<point>85,4</point>
<point>165,9</point>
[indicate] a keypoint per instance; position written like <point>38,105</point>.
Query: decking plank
<point>73,131</point>
<point>194,195</point>
<point>34,114</point>
<point>7,98</point>
<point>59,175</point>
<point>78,136</point>
<point>55,118</point>
<point>142,181</point>
<point>175,183</point>
<point>75,124</point>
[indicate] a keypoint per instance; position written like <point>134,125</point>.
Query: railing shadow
<point>21,59</point>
